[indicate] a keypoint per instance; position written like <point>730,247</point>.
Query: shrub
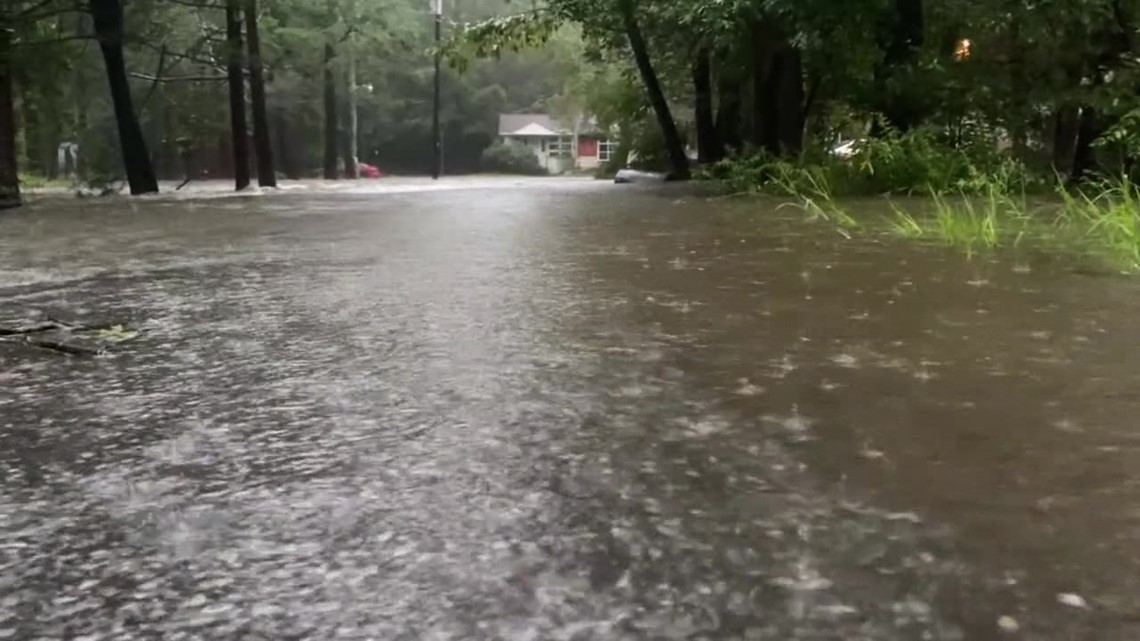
<point>916,162</point>
<point>508,158</point>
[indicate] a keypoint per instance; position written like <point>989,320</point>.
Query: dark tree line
<point>108,30</point>
<point>1056,80</point>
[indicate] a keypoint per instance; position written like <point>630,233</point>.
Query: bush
<point>507,158</point>
<point>916,162</point>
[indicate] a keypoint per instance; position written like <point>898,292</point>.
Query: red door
<point>587,148</point>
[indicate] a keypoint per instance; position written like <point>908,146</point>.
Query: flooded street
<point>557,410</point>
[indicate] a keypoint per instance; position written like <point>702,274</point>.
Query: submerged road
<point>541,409</point>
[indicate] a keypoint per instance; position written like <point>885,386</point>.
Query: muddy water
<point>557,410</point>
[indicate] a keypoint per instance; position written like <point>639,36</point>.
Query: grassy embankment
<point>977,202</point>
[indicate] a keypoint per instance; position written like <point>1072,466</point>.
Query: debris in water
<point>1008,624</point>
<point>869,453</point>
<point>1072,600</point>
<point>845,360</point>
<point>747,388</point>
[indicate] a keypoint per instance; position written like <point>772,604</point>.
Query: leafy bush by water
<point>508,158</point>
<point>911,163</point>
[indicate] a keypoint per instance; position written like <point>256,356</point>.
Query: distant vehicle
<point>364,170</point>
<point>627,176</point>
<point>846,148</point>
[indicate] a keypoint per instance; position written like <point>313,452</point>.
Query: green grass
<point>1101,221</point>
<point>972,222</point>
<point>812,191</point>
<point>1105,217</point>
<point>33,181</point>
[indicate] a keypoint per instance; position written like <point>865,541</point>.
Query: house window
<point>606,150</point>
<point>563,146</point>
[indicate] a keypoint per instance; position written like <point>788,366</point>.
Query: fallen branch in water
<point>64,348</point>
<point>31,329</point>
<point>51,325</point>
<point>72,327</point>
<point>23,335</point>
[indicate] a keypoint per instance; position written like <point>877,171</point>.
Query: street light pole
<point>437,156</point>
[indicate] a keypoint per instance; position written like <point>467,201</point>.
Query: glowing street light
<point>961,52</point>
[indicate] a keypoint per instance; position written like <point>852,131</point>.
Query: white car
<point>846,148</point>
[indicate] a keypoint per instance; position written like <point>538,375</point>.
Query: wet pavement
<point>556,409</point>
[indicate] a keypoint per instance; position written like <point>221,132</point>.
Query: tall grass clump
<point>1104,217</point>
<point>964,219</point>
<point>812,189</point>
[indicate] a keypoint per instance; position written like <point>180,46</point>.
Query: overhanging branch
<point>34,13</point>
<point>157,79</point>
<point>52,41</point>
<point>203,4</point>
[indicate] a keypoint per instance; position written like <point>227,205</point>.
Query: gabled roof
<point>528,125</point>
<point>539,125</point>
<point>534,129</point>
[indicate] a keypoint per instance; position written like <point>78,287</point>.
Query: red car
<point>364,170</point>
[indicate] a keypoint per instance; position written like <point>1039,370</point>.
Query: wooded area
<point>1052,83</point>
<point>148,90</point>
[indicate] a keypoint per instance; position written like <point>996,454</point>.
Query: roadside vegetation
<point>504,158</point>
<point>931,193</point>
<point>976,199</point>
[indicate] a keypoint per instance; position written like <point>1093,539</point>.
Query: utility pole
<point>437,156</point>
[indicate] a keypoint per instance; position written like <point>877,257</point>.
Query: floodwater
<point>567,410</point>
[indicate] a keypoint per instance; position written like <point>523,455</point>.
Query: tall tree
<point>331,121</point>
<point>107,17</point>
<point>352,131</point>
<point>235,75</point>
<point>902,38</point>
<point>9,176</point>
<point>674,146</point>
<point>709,148</point>
<point>266,175</point>
<point>729,109</point>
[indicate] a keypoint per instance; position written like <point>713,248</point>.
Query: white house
<point>553,142</point>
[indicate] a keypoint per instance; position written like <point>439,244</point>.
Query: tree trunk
<point>331,132</point>
<point>1084,155</point>
<point>763,125</point>
<point>284,151</point>
<point>351,155</point>
<point>709,149</point>
<point>9,176</point>
<point>107,17</point>
<point>678,161</point>
<point>729,111</point>
<point>348,161</point>
<point>266,175</point>
<point>906,33</point>
<point>788,85</point>
<point>81,106</point>
<point>1065,122</point>
<point>239,134</point>
<point>1020,109</point>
